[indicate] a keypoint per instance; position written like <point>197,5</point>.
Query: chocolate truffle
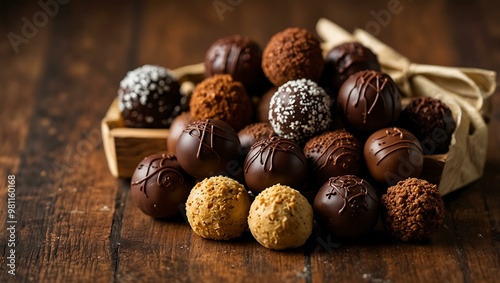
<point>333,154</point>
<point>299,110</point>
<point>254,133</point>
<point>292,54</point>
<point>392,155</point>
<point>220,97</point>
<point>347,207</point>
<point>159,186</point>
<point>431,121</point>
<point>149,97</point>
<point>412,210</point>
<point>217,208</point>
<point>178,125</point>
<point>208,148</point>
<point>280,218</point>
<point>263,106</point>
<point>275,160</point>
<point>237,56</point>
<point>346,59</point>
<point>369,101</point>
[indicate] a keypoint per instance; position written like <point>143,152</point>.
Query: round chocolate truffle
<point>220,97</point>
<point>333,154</point>
<point>178,125</point>
<point>412,210</point>
<point>149,97</point>
<point>431,121</point>
<point>208,148</point>
<point>159,186</point>
<point>292,54</point>
<point>299,110</point>
<point>254,133</point>
<point>369,101</point>
<point>275,160</point>
<point>392,155</point>
<point>237,56</point>
<point>347,207</point>
<point>346,59</point>
<point>263,106</point>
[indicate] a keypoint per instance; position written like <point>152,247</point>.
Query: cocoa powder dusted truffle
<point>159,186</point>
<point>292,54</point>
<point>149,97</point>
<point>220,97</point>
<point>431,121</point>
<point>299,110</point>
<point>178,125</point>
<point>412,210</point>
<point>254,133</point>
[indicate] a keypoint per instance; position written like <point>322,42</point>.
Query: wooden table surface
<point>76,223</point>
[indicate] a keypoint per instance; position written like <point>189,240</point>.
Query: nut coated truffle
<point>220,97</point>
<point>392,155</point>
<point>275,160</point>
<point>209,148</point>
<point>178,125</point>
<point>292,54</point>
<point>280,218</point>
<point>432,123</point>
<point>412,210</point>
<point>299,110</point>
<point>347,207</point>
<point>254,133</point>
<point>369,101</point>
<point>149,97</point>
<point>159,186</point>
<point>333,154</point>
<point>217,208</point>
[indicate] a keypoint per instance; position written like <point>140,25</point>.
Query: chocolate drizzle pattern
<point>352,190</point>
<point>343,144</point>
<point>393,140</point>
<point>158,167</point>
<point>267,149</point>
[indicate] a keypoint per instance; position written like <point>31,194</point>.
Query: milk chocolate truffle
<point>220,97</point>
<point>333,153</point>
<point>262,114</point>
<point>178,125</point>
<point>431,121</point>
<point>345,60</point>
<point>149,97</point>
<point>217,208</point>
<point>347,207</point>
<point>237,56</point>
<point>292,54</point>
<point>275,160</point>
<point>412,210</point>
<point>208,148</point>
<point>392,155</point>
<point>254,133</point>
<point>299,110</point>
<point>280,218</point>
<point>159,186</point>
<point>369,101</point>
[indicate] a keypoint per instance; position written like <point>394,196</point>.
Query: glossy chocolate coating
<point>178,125</point>
<point>347,207</point>
<point>392,155</point>
<point>369,101</point>
<point>275,160</point>
<point>209,148</point>
<point>254,133</point>
<point>263,106</point>
<point>159,186</point>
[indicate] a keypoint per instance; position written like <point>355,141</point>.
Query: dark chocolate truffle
<point>220,97</point>
<point>333,154</point>
<point>178,125</point>
<point>149,97</point>
<point>347,207</point>
<point>209,148</point>
<point>254,133</point>
<point>412,210</point>
<point>263,106</point>
<point>237,56</point>
<point>431,121</point>
<point>159,186</point>
<point>346,59</point>
<point>299,110</point>
<point>392,155</point>
<point>275,160</point>
<point>292,54</point>
<point>369,101</point>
